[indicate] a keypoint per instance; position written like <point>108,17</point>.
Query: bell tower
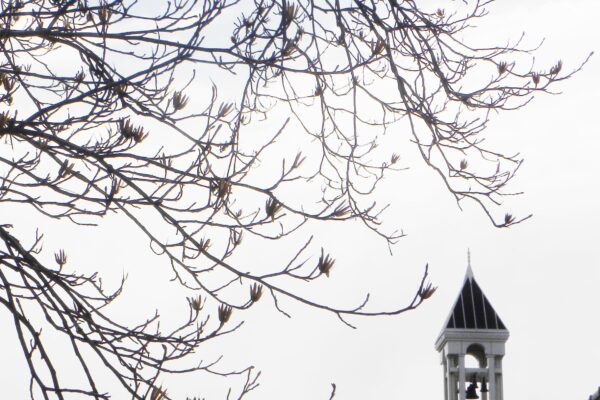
<point>473,329</point>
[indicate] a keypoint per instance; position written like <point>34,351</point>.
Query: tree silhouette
<point>187,116</point>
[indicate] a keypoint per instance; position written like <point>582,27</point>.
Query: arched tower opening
<point>475,356</point>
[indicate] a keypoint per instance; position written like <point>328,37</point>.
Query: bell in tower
<point>474,329</point>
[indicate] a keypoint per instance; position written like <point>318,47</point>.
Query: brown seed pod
<point>224,313</point>
<point>255,292</point>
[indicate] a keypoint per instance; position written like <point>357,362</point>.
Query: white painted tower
<point>473,328</point>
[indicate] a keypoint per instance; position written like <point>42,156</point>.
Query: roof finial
<point>469,257</point>
<point>469,270</point>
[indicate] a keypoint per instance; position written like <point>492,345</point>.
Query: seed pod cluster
<point>255,292</point>
<point>325,263</point>
<point>224,313</point>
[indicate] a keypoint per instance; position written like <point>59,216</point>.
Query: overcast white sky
<point>542,277</point>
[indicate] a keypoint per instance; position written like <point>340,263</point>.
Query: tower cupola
<point>473,330</point>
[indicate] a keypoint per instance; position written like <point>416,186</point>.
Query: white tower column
<point>499,388</point>
<point>461,377</point>
<point>447,392</point>
<point>491,362</point>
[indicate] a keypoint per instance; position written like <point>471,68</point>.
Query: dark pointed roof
<point>472,309</point>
